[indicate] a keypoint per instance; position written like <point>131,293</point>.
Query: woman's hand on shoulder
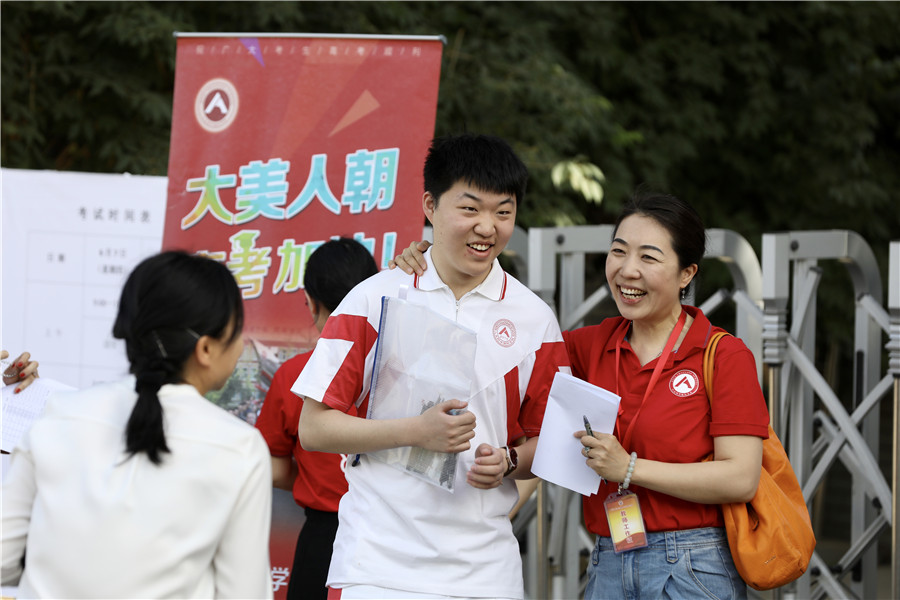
<point>412,259</point>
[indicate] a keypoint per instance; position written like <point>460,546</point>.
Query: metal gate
<point>808,415</point>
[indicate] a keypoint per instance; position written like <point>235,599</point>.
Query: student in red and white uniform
<point>399,536</point>
<point>316,478</point>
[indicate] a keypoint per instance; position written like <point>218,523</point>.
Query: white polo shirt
<point>397,531</point>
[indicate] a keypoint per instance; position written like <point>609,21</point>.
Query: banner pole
<point>893,347</point>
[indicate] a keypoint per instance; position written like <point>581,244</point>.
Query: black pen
<point>587,428</point>
<point>590,432</point>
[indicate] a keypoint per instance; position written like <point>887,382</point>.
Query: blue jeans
<point>691,563</point>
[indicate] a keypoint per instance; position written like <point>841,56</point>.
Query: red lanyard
<point>657,370</point>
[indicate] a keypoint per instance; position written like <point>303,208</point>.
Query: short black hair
<point>485,162</point>
<point>335,268</point>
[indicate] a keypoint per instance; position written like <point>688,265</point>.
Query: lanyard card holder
<point>626,524</point>
<point>623,511</point>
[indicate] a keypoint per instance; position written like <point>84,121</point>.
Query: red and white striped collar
<point>493,287</point>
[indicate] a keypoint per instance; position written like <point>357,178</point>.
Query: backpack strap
<point>709,355</point>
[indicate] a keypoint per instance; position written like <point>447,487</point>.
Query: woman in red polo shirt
<point>316,478</point>
<point>652,357</point>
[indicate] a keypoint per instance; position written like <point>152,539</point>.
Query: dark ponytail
<point>169,301</point>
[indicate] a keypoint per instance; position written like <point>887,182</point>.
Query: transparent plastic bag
<point>421,359</point>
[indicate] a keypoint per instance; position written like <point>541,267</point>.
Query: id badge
<point>626,525</point>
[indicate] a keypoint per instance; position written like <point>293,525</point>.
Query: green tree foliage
<point>766,116</point>
<point>86,87</point>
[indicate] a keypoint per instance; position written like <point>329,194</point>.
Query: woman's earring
<point>683,293</point>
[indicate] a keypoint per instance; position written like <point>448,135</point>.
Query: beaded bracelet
<point>630,471</point>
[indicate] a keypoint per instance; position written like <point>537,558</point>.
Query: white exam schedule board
<point>69,240</point>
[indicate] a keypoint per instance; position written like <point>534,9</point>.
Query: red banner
<point>282,142</point>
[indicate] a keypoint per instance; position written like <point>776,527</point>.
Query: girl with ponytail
<point>168,305</point>
<point>143,488</point>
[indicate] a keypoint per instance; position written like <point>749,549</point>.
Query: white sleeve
<point>241,562</point>
<point>19,489</point>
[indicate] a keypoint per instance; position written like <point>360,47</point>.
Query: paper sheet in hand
<point>558,458</point>
<point>20,410</point>
<point>421,359</point>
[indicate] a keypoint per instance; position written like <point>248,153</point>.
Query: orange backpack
<point>771,537</point>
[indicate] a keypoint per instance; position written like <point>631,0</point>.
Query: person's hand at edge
<point>22,371</point>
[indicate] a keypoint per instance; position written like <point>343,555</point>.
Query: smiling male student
<point>401,537</point>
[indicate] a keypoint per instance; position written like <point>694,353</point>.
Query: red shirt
<point>676,424</point>
<point>320,481</point>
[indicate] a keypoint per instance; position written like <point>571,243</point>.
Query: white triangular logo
<point>217,102</point>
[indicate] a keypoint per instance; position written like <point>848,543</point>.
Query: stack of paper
<point>558,458</point>
<point>20,410</point>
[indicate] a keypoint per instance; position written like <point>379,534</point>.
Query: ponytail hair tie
<point>149,380</point>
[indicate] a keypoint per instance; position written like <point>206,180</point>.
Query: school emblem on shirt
<point>684,383</point>
<point>504,332</point>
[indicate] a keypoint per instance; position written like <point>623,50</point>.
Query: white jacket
<point>96,525</point>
